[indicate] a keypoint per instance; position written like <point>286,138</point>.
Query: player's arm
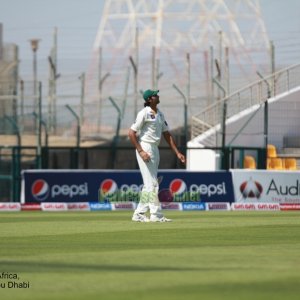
<point>133,138</point>
<point>168,137</point>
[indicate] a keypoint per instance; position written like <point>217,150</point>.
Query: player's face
<point>155,99</point>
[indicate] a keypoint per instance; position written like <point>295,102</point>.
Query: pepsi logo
<point>177,187</point>
<point>251,189</point>
<point>108,187</point>
<point>40,189</point>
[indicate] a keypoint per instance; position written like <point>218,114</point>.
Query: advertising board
<point>123,186</point>
<point>263,186</point>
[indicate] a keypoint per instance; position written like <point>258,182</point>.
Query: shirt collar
<point>149,109</point>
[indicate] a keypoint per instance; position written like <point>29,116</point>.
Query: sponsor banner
<point>48,206</point>
<point>255,206</point>
<point>94,206</point>
<point>10,206</point>
<point>123,206</point>
<point>79,206</point>
<point>243,206</point>
<point>267,206</point>
<point>124,186</point>
<point>261,186</point>
<point>290,206</point>
<point>218,206</point>
<point>31,206</point>
<point>171,206</point>
<point>193,206</point>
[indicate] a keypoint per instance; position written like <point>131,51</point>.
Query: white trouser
<point>149,194</point>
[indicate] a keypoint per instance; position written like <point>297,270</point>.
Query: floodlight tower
<point>153,30</point>
<point>180,23</point>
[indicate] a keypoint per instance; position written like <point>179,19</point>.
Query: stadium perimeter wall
<point>82,190</point>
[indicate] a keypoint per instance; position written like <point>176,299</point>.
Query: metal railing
<point>256,93</point>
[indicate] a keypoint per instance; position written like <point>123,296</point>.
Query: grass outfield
<point>103,255</point>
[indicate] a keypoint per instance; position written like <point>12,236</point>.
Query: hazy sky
<point>77,22</point>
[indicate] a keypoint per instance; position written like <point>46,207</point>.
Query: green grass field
<point>103,255</point>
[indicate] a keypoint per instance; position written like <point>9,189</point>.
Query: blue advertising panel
<point>193,206</point>
<point>122,186</point>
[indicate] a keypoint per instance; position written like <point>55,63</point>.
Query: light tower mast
<point>167,31</point>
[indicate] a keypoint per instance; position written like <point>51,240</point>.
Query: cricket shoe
<point>154,218</point>
<point>140,218</point>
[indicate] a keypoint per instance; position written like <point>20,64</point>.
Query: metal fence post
<point>78,135</point>
<point>185,112</point>
<point>266,114</point>
<point>116,137</point>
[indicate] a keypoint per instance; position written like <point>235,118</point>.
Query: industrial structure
<point>178,47</point>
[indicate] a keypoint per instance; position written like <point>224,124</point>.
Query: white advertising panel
<point>261,186</point>
<point>256,206</point>
<point>10,206</point>
<point>54,206</point>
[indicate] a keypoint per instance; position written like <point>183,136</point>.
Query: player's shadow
<point>46,267</point>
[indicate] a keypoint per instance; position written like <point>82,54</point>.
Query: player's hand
<point>145,156</point>
<point>181,157</point>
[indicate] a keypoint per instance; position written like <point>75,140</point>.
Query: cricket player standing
<point>151,124</point>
